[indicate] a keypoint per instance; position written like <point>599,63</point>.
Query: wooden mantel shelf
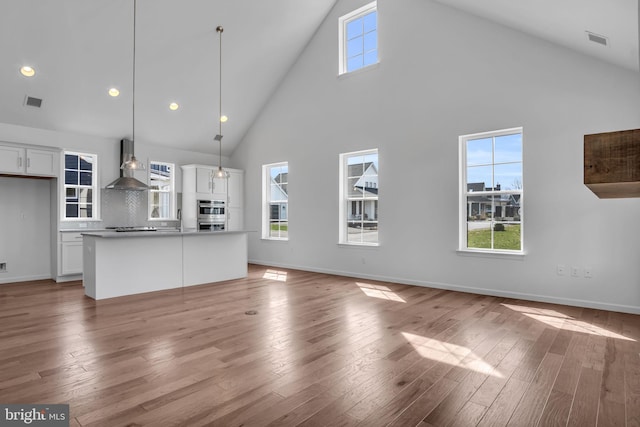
<point>612,164</point>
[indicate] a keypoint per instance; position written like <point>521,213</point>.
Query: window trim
<point>266,208</point>
<point>342,25</point>
<point>343,201</point>
<point>463,193</point>
<point>95,188</point>
<point>172,192</point>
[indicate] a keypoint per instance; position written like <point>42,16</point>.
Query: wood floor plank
<point>584,411</point>
<point>322,350</point>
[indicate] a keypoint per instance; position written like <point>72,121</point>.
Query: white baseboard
<point>15,279</point>
<point>451,287</point>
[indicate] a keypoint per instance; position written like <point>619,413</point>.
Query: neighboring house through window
<point>161,190</point>
<point>491,191</point>
<point>358,35</point>
<point>275,201</point>
<point>359,198</point>
<point>80,186</point>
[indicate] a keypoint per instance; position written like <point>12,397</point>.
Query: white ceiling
<point>81,48</point>
<point>565,22</point>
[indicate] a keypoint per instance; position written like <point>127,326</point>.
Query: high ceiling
<point>81,48</point>
<point>566,22</point>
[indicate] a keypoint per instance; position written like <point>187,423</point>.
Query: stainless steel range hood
<point>128,164</point>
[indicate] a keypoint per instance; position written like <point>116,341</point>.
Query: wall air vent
<point>596,38</point>
<point>33,102</point>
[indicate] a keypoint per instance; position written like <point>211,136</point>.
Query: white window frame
<point>266,200</point>
<point>464,193</point>
<point>343,21</point>
<point>345,201</point>
<point>172,192</point>
<point>95,189</point>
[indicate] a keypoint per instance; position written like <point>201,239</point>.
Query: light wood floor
<point>322,350</point>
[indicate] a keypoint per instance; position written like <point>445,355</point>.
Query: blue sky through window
<point>362,41</point>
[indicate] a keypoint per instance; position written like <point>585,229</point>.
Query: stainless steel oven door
<point>210,226</point>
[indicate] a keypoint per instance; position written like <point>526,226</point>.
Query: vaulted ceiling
<point>82,48</point>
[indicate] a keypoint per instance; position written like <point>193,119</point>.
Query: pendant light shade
<point>220,173</point>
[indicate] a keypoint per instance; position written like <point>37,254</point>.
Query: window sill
<point>273,239</point>
<point>358,71</point>
<point>492,254</point>
<point>359,245</point>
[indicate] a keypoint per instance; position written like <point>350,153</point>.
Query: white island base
<point>117,264</point>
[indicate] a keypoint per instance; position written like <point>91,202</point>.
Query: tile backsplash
<point>122,208</point>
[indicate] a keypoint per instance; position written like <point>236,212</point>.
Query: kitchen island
<point>127,263</point>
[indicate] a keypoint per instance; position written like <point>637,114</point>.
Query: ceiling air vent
<point>596,38</point>
<point>33,102</point>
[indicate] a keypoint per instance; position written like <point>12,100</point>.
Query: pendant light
<point>128,160</point>
<point>132,163</point>
<point>220,173</point>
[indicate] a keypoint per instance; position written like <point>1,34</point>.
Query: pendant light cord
<point>133,94</point>
<point>219,29</point>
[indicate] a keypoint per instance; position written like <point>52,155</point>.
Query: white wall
<point>444,73</point>
<point>108,150</point>
<point>25,244</point>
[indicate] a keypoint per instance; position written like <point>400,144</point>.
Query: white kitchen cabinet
<point>18,160</point>
<point>199,183</point>
<point>70,253</point>
<point>235,188</point>
<point>42,162</point>
<point>210,186</point>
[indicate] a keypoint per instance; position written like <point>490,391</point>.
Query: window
<point>359,198</point>
<point>358,35</point>
<point>161,190</point>
<point>275,201</point>
<point>80,187</point>
<point>491,191</point>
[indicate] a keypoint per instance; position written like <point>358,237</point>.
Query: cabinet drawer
<point>71,237</point>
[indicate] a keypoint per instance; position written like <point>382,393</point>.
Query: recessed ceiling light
<point>224,118</point>
<point>114,92</point>
<point>173,106</point>
<point>28,71</point>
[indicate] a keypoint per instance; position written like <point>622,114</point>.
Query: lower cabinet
<point>70,253</point>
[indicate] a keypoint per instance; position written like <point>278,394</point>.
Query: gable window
<point>359,198</point>
<point>358,35</point>
<point>275,201</point>
<point>80,186</point>
<point>491,191</point>
<point>161,190</point>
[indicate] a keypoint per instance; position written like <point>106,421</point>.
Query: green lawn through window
<point>509,239</point>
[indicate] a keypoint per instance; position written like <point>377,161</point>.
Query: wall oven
<point>211,215</point>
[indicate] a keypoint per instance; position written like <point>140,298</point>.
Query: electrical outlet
<point>3,267</point>
<point>561,270</point>
<point>588,273</point>
<point>575,271</point>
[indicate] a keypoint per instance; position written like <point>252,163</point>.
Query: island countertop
<point>133,262</point>
<point>111,234</point>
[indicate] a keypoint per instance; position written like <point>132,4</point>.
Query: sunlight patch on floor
<point>562,321</point>
<point>451,354</point>
<point>280,276</point>
<point>379,291</point>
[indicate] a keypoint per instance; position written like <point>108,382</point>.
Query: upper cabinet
<point>208,185</point>
<point>16,160</point>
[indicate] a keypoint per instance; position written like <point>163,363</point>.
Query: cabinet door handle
<point>28,162</point>
<point>19,162</point>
